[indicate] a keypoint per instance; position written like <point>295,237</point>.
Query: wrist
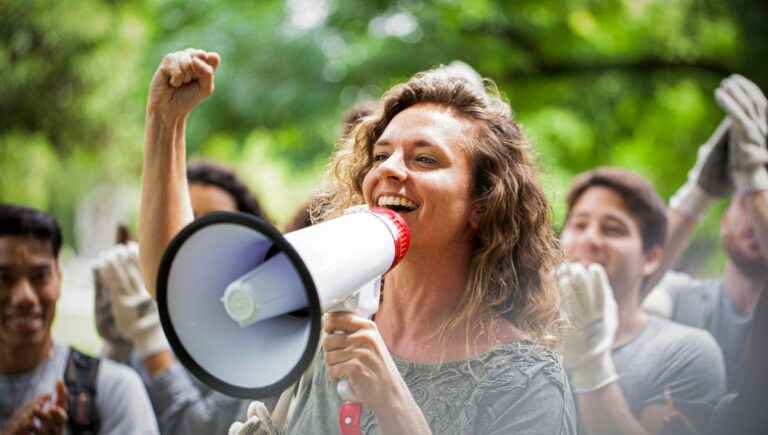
<point>750,181</point>
<point>594,373</point>
<point>150,342</point>
<point>691,200</point>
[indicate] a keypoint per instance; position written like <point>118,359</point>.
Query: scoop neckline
<point>513,345</point>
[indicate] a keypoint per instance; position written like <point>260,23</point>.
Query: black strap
<point>80,379</point>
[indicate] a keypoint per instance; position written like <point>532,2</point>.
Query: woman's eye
<point>380,157</point>
<point>428,160</point>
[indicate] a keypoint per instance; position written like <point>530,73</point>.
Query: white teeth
<point>396,201</point>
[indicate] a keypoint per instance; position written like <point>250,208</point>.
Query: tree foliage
<point>616,82</point>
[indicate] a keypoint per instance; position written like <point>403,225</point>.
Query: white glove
<point>746,105</point>
<point>135,311</point>
<point>709,178</point>
<point>592,310</point>
<point>257,422</point>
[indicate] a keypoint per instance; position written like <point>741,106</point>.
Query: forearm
<point>165,203</point>
<point>605,411</point>
<point>402,416</point>
<point>679,230</point>
<point>758,216</point>
<point>158,363</point>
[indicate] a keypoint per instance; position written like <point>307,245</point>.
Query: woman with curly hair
<point>461,342</point>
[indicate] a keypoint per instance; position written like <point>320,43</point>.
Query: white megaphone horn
<point>241,304</point>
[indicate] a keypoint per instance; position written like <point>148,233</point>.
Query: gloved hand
<point>746,105</point>
<point>592,310</point>
<point>709,178</point>
<point>257,422</point>
<point>135,311</point>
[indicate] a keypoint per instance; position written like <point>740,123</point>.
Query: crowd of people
<point>492,323</point>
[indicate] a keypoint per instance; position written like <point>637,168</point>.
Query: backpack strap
<point>80,378</point>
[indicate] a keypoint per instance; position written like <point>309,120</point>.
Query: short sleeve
<point>695,372</point>
<point>122,401</point>
<point>544,405</point>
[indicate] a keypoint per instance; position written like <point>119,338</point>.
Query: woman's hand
<point>183,79</point>
<point>360,356</point>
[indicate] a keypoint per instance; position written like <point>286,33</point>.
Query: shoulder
<point>682,285</point>
<point>118,384</point>
<point>526,383</point>
<point>525,364</point>
<point>674,337</point>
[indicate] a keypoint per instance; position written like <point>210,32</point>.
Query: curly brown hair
<point>516,250</point>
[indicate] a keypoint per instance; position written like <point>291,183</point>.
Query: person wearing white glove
<point>257,422</point>
<point>592,312</point>
<point>135,311</point>
<point>746,105</point>
<point>724,306</point>
<point>624,365</point>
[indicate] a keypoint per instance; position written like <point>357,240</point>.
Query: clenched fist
<point>183,79</point>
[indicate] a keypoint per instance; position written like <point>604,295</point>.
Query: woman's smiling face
<point>421,169</point>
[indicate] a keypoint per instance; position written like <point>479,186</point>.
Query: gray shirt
<point>518,388</point>
<point>121,400</point>
<point>666,356</point>
<point>705,304</point>
<point>186,406</point>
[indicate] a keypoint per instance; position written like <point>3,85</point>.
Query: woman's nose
<point>393,167</point>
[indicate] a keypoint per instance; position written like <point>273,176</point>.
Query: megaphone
<point>241,304</point>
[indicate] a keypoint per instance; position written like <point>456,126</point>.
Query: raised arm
<point>181,82</point>
<point>748,107</point>
<point>707,181</point>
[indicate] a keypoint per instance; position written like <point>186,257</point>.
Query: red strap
<point>349,418</point>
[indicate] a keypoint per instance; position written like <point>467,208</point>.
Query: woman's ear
<point>474,217</point>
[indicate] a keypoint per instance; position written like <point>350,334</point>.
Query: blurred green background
<point>619,82</point>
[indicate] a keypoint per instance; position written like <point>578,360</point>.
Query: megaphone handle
<point>349,418</point>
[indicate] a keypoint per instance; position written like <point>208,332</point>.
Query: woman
<point>458,344</point>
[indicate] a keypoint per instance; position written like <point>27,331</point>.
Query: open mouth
<point>397,204</point>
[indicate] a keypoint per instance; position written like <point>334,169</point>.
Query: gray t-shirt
<point>666,356</point>
<point>518,388</point>
<point>705,304</point>
<point>121,400</point>
<point>186,406</point>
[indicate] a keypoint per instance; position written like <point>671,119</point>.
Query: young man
<point>46,387</point>
<point>627,368</point>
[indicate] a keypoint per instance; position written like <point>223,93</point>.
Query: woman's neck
<point>420,296</point>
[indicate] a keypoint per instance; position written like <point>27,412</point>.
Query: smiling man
<point>630,371</point>
<point>45,387</point>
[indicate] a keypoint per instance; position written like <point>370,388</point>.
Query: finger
<point>340,356</point>
<point>44,417</point>
<point>185,63</point>
<point>603,289</point>
<point>335,341</point>
<point>726,101</point>
<point>172,69</point>
<point>742,98</point>
<point>130,260</point>
<point>62,394</point>
<point>204,74</point>
<point>234,429</point>
<point>345,321</point>
<point>753,90</point>
<point>58,417</point>
<point>350,370</point>
<point>213,59</point>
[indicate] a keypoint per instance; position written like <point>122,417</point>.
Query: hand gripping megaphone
<point>241,304</point>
